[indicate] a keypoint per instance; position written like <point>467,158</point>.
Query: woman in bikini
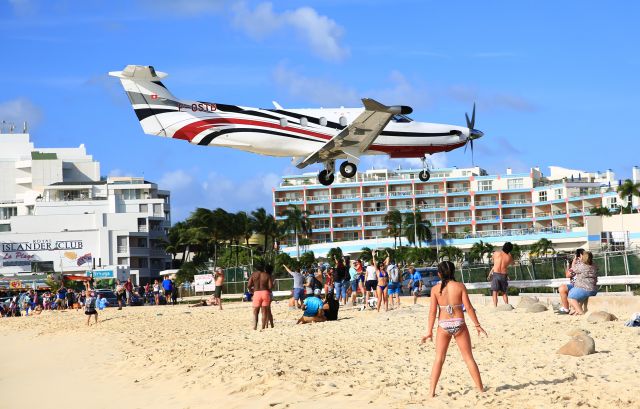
<point>383,283</point>
<point>450,297</point>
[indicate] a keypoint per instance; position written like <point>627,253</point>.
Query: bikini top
<point>449,307</point>
<point>383,275</point>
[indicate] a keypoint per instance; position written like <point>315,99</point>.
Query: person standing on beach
<point>298,286</point>
<point>371,282</point>
<point>128,288</point>
<point>260,285</point>
<point>499,274</point>
<point>156,292</point>
<point>167,286</point>
<point>119,293</point>
<point>415,283</point>
<point>353,273</point>
<point>341,279</point>
<point>449,298</point>
<point>219,277</point>
<point>90,304</point>
<point>394,282</point>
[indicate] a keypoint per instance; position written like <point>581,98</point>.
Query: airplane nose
<point>475,134</point>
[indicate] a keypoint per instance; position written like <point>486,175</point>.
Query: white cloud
<point>402,91</point>
<point>216,190</point>
<point>315,90</point>
<point>321,33</point>
<point>18,110</point>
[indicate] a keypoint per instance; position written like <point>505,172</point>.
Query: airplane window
<point>304,122</point>
<point>343,121</point>
<point>401,118</point>
<point>283,122</point>
<point>323,121</point>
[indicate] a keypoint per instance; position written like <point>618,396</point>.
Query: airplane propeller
<point>473,133</point>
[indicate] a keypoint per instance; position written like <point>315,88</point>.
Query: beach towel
<point>634,321</point>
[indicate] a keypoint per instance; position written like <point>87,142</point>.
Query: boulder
<point>536,308</point>
<point>580,345</point>
<point>601,316</point>
<point>504,307</point>
<point>526,300</point>
<point>577,331</point>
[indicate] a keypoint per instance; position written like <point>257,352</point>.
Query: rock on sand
<point>526,301</point>
<point>578,331</point>
<point>537,307</point>
<point>504,307</point>
<point>578,346</point>
<point>601,316</point>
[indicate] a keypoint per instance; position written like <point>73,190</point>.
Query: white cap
<point>317,291</point>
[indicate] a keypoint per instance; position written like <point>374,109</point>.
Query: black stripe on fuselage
<point>144,113</point>
<point>313,120</point>
<point>206,140</point>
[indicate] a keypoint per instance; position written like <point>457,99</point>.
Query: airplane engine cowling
<point>400,109</point>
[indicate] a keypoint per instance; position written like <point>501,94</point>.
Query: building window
<point>485,185</point>
<point>131,194</point>
<point>515,183</point>
<point>123,261</point>
<point>542,196</point>
<point>144,208</point>
<point>157,210</point>
<point>559,194</point>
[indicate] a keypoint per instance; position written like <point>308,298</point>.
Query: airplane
<point>307,135</point>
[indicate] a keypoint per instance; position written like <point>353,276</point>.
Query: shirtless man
<point>260,285</point>
<point>499,279</point>
<point>219,276</point>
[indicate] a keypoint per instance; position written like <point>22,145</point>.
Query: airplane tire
<point>424,175</point>
<point>348,169</point>
<point>324,178</point>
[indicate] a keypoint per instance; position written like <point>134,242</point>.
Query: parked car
<point>112,300</point>
<point>429,277</point>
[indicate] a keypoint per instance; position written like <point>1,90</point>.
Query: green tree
<point>307,259</point>
<point>541,248</point>
<point>414,225</point>
<point>600,211</point>
<point>334,253</point>
<point>479,250</point>
<point>298,221</point>
<point>627,191</point>
<point>393,220</point>
<point>451,253</point>
<point>366,254</point>
<point>265,225</point>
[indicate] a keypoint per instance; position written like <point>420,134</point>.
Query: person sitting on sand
<point>450,297</point>
<point>564,288</point>
<point>205,303</point>
<point>331,307</point>
<point>585,284</point>
<point>313,308</point>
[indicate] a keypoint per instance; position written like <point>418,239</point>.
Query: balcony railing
<point>401,208</point>
<point>516,202</point>
<point>314,198</point>
<point>487,203</point>
<point>123,249</point>
<point>459,204</point>
<point>459,219</point>
<point>288,199</point>
<point>347,196</point>
<point>428,192</point>
<point>399,193</point>
<point>374,194</point>
<point>458,189</point>
<point>371,224</point>
<point>490,217</point>
<point>375,209</point>
<point>343,211</point>
<point>346,225</point>
<point>431,206</point>
<point>517,216</point>
<point>143,229</point>
<point>320,211</point>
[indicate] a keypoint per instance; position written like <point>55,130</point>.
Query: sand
<point>180,357</point>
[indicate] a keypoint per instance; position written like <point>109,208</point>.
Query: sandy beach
<point>180,357</point>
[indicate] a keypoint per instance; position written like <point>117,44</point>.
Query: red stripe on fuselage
<point>413,151</point>
<point>190,131</point>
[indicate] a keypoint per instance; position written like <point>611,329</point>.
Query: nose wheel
<point>348,169</point>
<point>424,174</point>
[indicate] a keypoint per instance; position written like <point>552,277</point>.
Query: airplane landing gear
<point>424,174</point>
<point>348,169</point>
<point>327,175</point>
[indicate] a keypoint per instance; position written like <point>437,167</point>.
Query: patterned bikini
<point>451,325</point>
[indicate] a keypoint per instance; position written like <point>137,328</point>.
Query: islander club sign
<point>41,245</point>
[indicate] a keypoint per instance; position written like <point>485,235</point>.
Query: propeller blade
<point>465,146</point>
<point>473,117</point>
<point>468,122</point>
<point>472,161</point>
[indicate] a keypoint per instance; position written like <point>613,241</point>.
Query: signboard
<point>59,252</point>
<point>100,274</point>
<point>204,282</point>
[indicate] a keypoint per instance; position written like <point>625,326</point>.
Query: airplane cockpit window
<point>401,118</point>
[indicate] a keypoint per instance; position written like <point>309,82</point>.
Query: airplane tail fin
<point>149,98</point>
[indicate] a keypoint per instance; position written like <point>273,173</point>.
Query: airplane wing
<point>358,136</point>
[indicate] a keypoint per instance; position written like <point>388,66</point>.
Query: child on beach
<point>90,304</point>
<point>450,298</point>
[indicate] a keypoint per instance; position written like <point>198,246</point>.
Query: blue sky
<point>556,83</point>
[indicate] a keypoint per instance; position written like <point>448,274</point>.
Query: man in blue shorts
<point>298,286</point>
<point>313,309</point>
<point>167,286</point>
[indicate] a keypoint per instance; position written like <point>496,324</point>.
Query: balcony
<point>289,199</point>
<point>459,204</point>
<point>459,219</point>
<point>399,193</point>
<point>493,217</point>
<point>143,228</point>
<point>375,209</point>
<point>375,224</point>
<point>458,190</point>
<point>158,253</point>
<point>401,208</point>
<point>488,203</point>
<point>345,211</point>
<point>318,198</point>
<point>517,216</point>
<point>374,194</point>
<point>516,202</point>
<point>123,249</point>
<point>428,192</point>
<point>430,206</point>
<point>346,196</point>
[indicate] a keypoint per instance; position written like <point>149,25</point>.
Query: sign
<point>63,251</point>
<point>204,282</point>
<point>41,245</point>
<point>100,274</point>
<point>15,284</point>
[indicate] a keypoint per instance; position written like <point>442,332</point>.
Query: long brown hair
<point>587,258</point>
<point>447,270</point>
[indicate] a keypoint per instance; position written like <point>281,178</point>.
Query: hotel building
<point>463,205</point>
<point>58,214</point>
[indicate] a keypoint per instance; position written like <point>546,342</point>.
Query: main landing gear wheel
<point>348,169</point>
<point>325,178</point>
<point>424,175</point>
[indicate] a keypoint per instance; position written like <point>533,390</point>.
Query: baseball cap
<point>317,291</point>
<point>366,264</point>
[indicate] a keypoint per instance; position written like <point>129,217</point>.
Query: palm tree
<point>366,254</point>
<point>627,190</point>
<point>393,220</point>
<point>264,224</point>
<point>298,221</point>
<point>415,226</point>
<point>542,247</point>
<point>451,253</point>
<point>245,226</point>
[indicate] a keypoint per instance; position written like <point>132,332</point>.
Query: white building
<point>56,214</point>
